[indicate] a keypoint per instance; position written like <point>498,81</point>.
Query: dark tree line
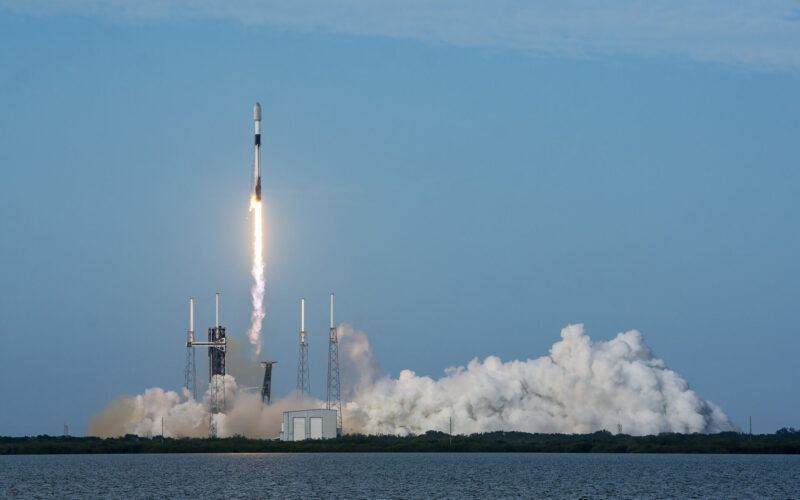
<point>784,441</point>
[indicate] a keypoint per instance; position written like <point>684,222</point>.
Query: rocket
<point>257,166</point>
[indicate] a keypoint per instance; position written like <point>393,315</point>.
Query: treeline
<point>785,441</point>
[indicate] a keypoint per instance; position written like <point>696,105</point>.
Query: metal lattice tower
<point>334,398</point>
<point>217,346</point>
<point>190,372</point>
<point>216,364</point>
<point>266,386</point>
<point>216,369</point>
<point>303,378</point>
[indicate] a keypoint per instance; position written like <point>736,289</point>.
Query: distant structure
<point>266,386</point>
<point>334,399</point>
<point>217,343</point>
<point>66,430</point>
<point>303,379</point>
<point>308,424</point>
<point>190,372</point>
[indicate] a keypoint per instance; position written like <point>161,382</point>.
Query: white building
<point>308,424</point>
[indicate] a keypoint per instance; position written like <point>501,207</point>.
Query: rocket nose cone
<point>257,112</point>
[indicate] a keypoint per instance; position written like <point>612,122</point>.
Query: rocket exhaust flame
<point>257,271</point>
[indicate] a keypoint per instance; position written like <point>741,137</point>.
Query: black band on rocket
<point>258,139</point>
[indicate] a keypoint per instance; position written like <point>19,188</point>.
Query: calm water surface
<point>406,475</point>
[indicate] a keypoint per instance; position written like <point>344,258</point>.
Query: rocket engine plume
<point>257,271</point>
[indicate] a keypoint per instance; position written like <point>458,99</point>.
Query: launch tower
<point>216,364</point>
<point>334,399</point>
<point>266,386</point>
<point>217,343</point>
<point>303,379</point>
<point>190,373</point>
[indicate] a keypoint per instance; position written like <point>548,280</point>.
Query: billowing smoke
<point>581,387</point>
<point>359,368</point>
<point>257,271</point>
<point>244,415</point>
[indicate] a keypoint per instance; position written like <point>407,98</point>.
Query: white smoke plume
<point>244,415</point>
<point>257,271</point>
<point>359,368</point>
<point>581,387</point>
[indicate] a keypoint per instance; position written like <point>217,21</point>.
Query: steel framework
<point>303,378</point>
<point>217,344</point>
<point>190,372</point>
<point>334,399</point>
<point>216,368</point>
<point>266,386</point>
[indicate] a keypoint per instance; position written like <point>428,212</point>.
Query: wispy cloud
<point>757,34</point>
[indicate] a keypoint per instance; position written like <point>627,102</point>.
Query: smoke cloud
<point>359,368</point>
<point>581,387</point>
<point>244,415</point>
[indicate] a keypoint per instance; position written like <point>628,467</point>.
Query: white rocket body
<point>257,166</point>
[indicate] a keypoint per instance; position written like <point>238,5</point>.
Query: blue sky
<point>467,180</point>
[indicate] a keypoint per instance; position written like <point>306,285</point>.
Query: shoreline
<point>782,442</point>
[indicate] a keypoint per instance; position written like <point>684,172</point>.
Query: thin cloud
<point>756,34</point>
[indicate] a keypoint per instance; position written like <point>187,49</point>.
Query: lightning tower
<point>334,387</point>
<point>303,379</point>
<point>190,373</point>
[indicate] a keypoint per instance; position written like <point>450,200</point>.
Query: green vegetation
<point>786,441</point>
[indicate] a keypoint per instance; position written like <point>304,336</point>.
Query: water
<point>400,475</point>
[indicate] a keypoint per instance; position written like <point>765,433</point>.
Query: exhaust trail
<point>257,271</point>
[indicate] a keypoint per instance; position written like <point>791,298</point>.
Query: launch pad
<point>216,344</point>
<point>217,339</point>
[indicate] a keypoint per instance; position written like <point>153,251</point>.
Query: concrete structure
<point>299,425</point>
